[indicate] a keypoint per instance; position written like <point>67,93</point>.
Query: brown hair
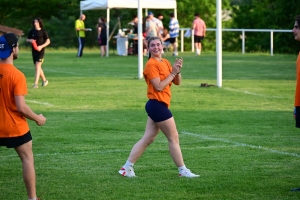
<point>151,39</point>
<point>40,22</point>
<point>298,20</point>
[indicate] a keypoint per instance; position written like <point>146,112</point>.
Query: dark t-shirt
<point>103,30</point>
<point>39,35</point>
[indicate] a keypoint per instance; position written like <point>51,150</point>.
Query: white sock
<point>32,199</point>
<point>128,164</point>
<point>182,168</point>
<point>199,51</point>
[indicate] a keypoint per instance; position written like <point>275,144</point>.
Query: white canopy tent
<point>154,4</point>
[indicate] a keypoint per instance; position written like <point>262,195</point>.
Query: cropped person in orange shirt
<point>14,129</point>
<point>296,32</point>
<point>159,76</point>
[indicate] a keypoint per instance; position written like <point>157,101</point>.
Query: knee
<point>174,139</point>
<point>148,141</point>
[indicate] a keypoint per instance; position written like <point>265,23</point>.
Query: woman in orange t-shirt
<point>159,76</point>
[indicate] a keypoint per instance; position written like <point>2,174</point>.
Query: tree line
<point>59,18</point>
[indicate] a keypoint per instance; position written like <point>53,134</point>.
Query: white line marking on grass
<point>37,102</point>
<point>242,144</point>
<point>252,93</point>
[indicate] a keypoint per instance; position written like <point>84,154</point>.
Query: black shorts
<point>198,39</point>
<point>157,111</point>
<point>172,40</point>
<point>15,141</point>
<point>37,56</point>
<point>297,116</point>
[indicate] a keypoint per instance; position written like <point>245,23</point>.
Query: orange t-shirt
<point>154,69</point>
<point>297,92</point>
<point>12,82</point>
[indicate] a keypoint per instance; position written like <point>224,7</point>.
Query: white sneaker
<point>187,173</point>
<point>129,172</point>
<point>45,83</point>
<point>35,86</point>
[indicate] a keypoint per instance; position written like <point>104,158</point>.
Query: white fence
<point>271,31</point>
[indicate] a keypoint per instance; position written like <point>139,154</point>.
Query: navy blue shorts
<point>157,111</point>
<point>15,141</point>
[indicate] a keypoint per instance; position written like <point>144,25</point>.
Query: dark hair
<point>151,39</point>
<point>196,15</point>
<point>40,22</point>
<point>298,20</point>
<point>160,15</point>
<point>103,19</point>
<point>172,15</point>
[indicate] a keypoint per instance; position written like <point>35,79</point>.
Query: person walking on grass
<point>296,32</point>
<point>14,129</point>
<point>199,28</point>
<point>159,76</point>
<point>39,38</point>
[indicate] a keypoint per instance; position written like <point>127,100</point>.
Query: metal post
<point>243,42</point>
<point>219,42</point>
<point>181,41</point>
<point>271,46</point>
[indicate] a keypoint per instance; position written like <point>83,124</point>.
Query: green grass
<point>241,137</point>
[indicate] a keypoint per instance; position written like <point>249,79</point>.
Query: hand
<point>39,48</point>
<point>177,65</point>
<point>295,114</point>
<point>41,120</point>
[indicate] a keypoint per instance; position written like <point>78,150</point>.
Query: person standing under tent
<point>39,39</point>
<point>160,24</point>
<point>159,75</point>
<point>14,129</point>
<point>199,27</point>
<point>102,36</point>
<point>80,32</point>
<point>151,31</point>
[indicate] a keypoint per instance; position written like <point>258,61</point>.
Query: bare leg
<point>42,75</point>
<point>39,73</point>
<point>175,45</point>
<point>26,155</point>
<point>102,50</point>
<point>168,127</point>
<point>149,136</point>
<point>196,46</point>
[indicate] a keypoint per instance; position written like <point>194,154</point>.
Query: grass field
<point>240,138</point>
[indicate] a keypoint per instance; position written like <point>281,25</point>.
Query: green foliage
<point>59,18</point>
<point>267,14</point>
